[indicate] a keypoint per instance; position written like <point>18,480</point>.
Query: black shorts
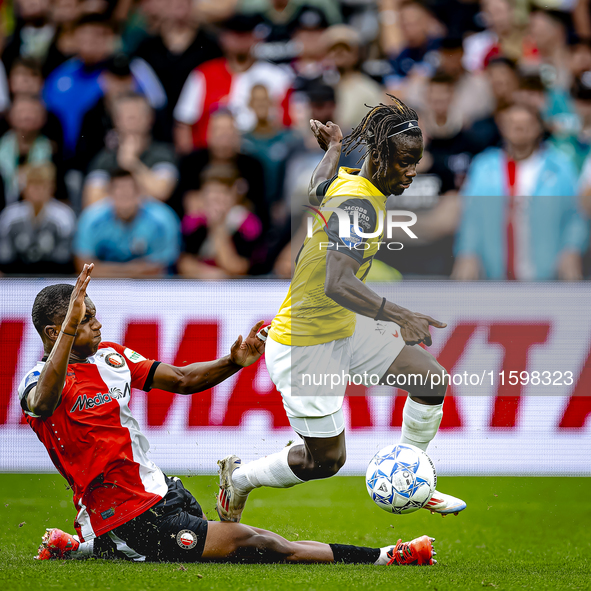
<point>173,530</point>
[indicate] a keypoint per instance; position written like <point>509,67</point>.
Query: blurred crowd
<point>171,137</point>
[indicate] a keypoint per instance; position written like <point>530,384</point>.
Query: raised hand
<point>245,353</point>
<point>326,135</point>
<point>77,307</point>
<point>415,328</point>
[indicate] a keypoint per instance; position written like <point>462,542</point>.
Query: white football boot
<point>444,504</point>
<point>230,503</point>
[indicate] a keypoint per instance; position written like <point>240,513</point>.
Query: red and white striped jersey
<point>213,85</point>
<point>94,441</point>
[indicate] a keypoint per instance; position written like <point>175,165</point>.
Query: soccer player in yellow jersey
<point>331,325</point>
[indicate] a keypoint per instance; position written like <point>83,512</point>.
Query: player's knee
<point>273,545</point>
<point>330,462</point>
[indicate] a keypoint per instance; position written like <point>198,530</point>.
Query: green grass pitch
<point>517,533</point>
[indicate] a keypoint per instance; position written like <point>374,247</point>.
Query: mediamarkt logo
<point>84,402</point>
<point>346,227</point>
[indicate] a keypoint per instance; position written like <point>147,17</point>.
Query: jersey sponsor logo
<point>84,402</point>
<point>133,356</point>
<point>353,239</point>
<point>186,539</point>
<point>115,360</point>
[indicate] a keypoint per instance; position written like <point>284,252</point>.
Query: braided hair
<point>376,126</point>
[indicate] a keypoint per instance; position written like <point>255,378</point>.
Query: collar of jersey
<point>351,174</point>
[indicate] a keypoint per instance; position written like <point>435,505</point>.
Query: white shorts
<point>313,379</point>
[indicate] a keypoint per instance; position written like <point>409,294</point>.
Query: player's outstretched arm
<point>43,399</point>
<point>342,286</point>
<point>330,139</point>
<point>196,377</point>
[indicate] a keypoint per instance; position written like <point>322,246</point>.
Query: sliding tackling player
<point>76,399</point>
<point>332,323</point>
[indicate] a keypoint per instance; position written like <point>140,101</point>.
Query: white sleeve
<point>189,107</point>
<point>26,385</point>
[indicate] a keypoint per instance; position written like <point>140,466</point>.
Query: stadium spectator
<point>127,234</point>
<point>23,143</point>
<point>144,21</point>
<point>223,147</point>
<point>227,81</point>
<point>36,233</point>
<point>152,164</point>
<point>283,30</point>
<point>73,88</point>
<point>448,144</point>
<point>354,89</point>
<point>549,30</point>
<point>472,98</point>
<point>472,92</point>
<point>307,37</point>
<point>271,144</point>
<point>64,16</point>
<point>503,36</point>
<point>25,78</point>
<point>420,38</point>
<point>504,81</point>
<point>179,47</point>
<point>220,235</point>
<point>97,125</point>
<point>33,33</point>
<point>553,103</point>
<point>571,133</point>
<point>520,218</point>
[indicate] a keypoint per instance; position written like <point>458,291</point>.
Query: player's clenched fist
<point>326,135</point>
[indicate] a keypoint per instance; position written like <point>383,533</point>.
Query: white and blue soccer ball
<point>401,479</point>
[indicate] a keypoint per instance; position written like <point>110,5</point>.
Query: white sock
<point>420,423</point>
<point>84,550</point>
<point>383,559</point>
<point>273,471</point>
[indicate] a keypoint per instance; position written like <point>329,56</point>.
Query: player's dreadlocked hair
<point>51,305</point>
<point>376,126</point>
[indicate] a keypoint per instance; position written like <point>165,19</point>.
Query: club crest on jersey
<point>186,539</point>
<point>115,360</point>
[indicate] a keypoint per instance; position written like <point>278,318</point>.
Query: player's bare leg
<point>423,412</point>
<point>242,543</point>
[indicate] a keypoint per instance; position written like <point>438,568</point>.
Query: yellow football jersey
<point>307,316</point>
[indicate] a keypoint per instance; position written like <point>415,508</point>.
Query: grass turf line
<point>517,533</point>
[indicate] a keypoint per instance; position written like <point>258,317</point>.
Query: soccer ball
<point>401,479</point>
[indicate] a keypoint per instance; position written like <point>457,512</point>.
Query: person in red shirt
<point>77,401</point>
